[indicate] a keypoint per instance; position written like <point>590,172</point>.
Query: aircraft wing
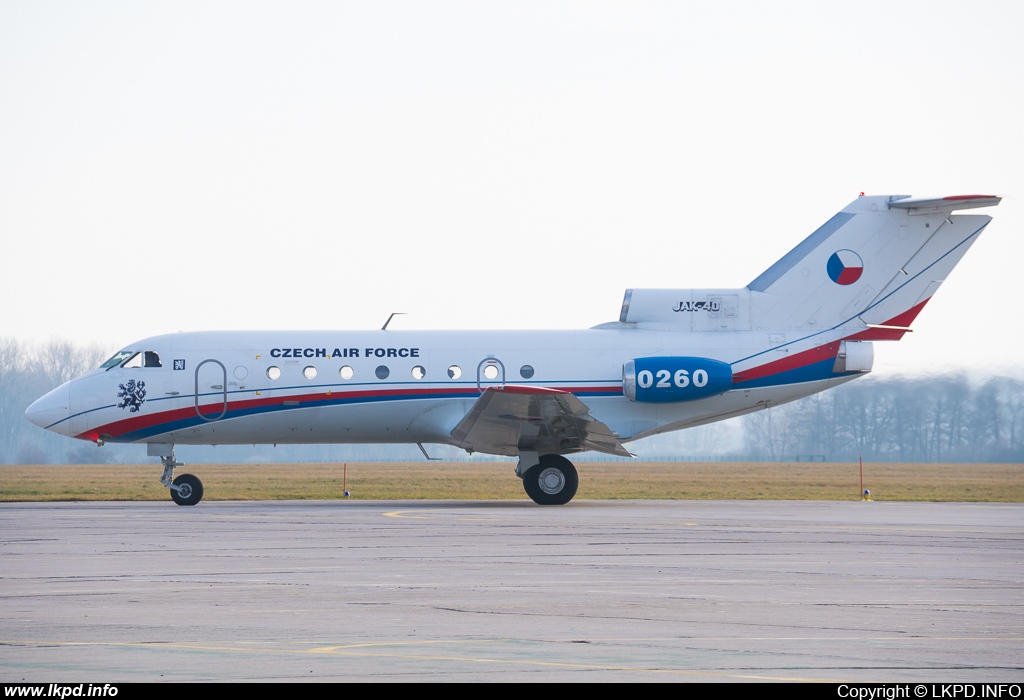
<point>507,419</point>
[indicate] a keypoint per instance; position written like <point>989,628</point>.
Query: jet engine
<point>673,379</point>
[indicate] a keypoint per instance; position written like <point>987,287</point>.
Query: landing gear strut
<point>552,481</point>
<point>186,490</point>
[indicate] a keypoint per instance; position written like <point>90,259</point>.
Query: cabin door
<point>211,390</point>
<point>490,372</point>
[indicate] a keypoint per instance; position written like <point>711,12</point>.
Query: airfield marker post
<point>863,493</point>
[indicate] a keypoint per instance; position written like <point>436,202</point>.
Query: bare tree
<point>11,388</point>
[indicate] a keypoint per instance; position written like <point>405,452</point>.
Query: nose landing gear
<point>187,489</point>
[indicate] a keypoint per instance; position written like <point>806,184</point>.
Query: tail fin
<point>875,263</point>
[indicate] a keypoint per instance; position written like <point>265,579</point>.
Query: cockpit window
<point>132,359</point>
<point>117,359</point>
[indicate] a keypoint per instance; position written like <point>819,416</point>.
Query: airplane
<point>676,358</point>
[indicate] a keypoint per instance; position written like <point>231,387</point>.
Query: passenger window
<point>346,372</point>
<point>454,372</point>
<point>309,372</point>
<point>526,371</point>
<point>382,372</point>
<point>418,372</point>
<point>273,373</point>
<point>152,359</point>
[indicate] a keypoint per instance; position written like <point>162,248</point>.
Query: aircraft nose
<point>51,411</point>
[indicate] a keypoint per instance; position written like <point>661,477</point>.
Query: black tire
<point>191,490</point>
<point>553,482</point>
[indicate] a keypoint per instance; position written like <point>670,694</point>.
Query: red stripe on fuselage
<point>129,425</point>
<point>800,359</point>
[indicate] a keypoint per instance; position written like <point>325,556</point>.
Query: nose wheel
<point>187,489</point>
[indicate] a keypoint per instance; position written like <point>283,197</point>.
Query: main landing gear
<point>550,480</point>
<point>187,489</point>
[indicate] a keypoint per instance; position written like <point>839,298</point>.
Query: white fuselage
<point>407,386</point>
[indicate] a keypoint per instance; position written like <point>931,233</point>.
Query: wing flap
<point>508,419</point>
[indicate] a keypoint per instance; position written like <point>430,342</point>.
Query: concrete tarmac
<point>510,591</point>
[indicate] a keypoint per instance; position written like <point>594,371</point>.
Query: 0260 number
<point>645,378</point>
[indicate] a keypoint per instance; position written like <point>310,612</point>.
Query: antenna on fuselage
<point>395,313</point>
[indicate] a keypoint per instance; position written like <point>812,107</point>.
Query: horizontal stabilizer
<point>940,204</point>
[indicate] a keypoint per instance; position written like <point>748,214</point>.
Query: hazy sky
<point>203,165</point>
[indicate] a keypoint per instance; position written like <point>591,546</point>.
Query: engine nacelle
<point>672,379</point>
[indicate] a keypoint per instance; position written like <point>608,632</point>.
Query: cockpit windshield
<point>133,359</point>
<point>117,359</point>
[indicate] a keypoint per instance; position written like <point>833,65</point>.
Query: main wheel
<point>191,490</point>
<point>553,482</point>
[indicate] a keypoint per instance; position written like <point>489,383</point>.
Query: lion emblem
<point>132,395</point>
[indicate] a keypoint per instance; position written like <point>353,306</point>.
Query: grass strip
<point>496,480</point>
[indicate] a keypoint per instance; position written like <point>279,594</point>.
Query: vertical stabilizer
<point>873,265</point>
